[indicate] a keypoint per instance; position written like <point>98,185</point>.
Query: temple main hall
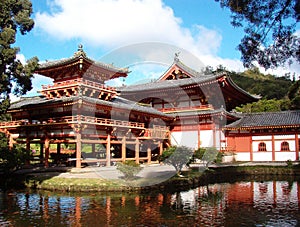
<point>80,120</point>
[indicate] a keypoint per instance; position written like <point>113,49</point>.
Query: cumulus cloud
<point>112,24</point>
<point>117,23</point>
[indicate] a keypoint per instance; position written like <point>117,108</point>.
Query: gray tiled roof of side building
<point>265,119</point>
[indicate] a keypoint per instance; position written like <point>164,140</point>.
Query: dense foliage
<point>14,76</point>
<point>269,27</point>
<point>277,93</point>
<point>13,159</point>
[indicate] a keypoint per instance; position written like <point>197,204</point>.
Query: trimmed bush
<point>129,169</point>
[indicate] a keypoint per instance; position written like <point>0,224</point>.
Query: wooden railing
<point>78,81</point>
<point>76,119</point>
<point>157,131</point>
<point>189,108</point>
<point>11,123</point>
<point>103,121</point>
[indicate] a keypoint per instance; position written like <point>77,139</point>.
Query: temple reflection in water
<point>267,203</point>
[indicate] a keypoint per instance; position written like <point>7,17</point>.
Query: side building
<point>266,136</point>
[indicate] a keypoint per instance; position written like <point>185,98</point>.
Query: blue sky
<point>104,27</point>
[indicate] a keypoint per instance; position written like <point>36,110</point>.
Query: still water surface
<point>272,203</point>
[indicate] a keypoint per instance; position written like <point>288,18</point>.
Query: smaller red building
<point>265,136</point>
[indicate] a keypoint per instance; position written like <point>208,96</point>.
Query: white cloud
<point>117,23</point>
<point>111,24</point>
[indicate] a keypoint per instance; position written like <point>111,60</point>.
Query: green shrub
<point>129,169</point>
<point>14,158</point>
<point>177,157</point>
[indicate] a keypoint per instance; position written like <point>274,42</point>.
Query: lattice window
<point>285,146</point>
<point>262,146</point>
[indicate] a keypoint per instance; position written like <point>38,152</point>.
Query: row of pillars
<point>108,150</point>
<point>45,149</point>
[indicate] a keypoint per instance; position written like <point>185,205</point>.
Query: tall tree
<point>269,26</point>
<point>14,76</point>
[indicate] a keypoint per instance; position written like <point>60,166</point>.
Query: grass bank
<point>191,179</point>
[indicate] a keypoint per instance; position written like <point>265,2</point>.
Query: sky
<point>117,31</point>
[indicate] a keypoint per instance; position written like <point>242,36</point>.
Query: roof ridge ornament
<point>176,57</point>
<point>80,51</point>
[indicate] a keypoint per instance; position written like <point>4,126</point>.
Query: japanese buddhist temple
<point>106,124</point>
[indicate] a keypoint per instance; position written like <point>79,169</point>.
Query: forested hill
<point>267,86</point>
<point>277,93</point>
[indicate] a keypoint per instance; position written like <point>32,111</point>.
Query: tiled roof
<point>117,102</point>
<point>77,55</point>
<point>191,72</point>
<point>267,119</point>
<point>168,84</point>
<point>220,111</point>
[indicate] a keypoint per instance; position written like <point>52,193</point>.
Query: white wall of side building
<point>277,152</point>
<point>191,138</point>
<point>187,138</point>
<point>242,156</point>
<point>284,156</point>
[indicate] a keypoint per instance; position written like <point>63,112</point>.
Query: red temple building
<point>106,124</point>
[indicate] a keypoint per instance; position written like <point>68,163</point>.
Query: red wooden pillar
<point>78,149</point>
<point>47,151</point>
<point>160,144</point>
<point>297,146</point>
<point>273,148</point>
<point>251,148</point>
<point>149,155</point>
<point>123,149</point>
<point>108,150</point>
<point>10,142</point>
<point>137,151</point>
<point>199,138</point>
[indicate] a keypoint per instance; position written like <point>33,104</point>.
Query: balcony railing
<point>78,81</point>
<point>188,108</point>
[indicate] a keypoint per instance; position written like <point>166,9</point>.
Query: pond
<point>268,203</point>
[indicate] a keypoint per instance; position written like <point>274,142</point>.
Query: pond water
<point>269,203</point>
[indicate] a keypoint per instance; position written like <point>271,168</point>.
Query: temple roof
<point>79,64</point>
<point>232,93</point>
<point>266,120</point>
<point>117,102</point>
<point>168,84</point>
<point>203,113</point>
<point>179,65</point>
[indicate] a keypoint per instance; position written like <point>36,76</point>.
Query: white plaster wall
<point>242,156</point>
<point>255,145</point>
<point>189,139</point>
<point>284,137</point>
<point>261,138</point>
<point>284,156</point>
<point>207,138</point>
<point>291,145</point>
<point>262,156</point>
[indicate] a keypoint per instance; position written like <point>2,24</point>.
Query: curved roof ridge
<point>80,54</point>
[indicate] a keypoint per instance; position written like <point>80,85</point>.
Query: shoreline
<point>156,177</point>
